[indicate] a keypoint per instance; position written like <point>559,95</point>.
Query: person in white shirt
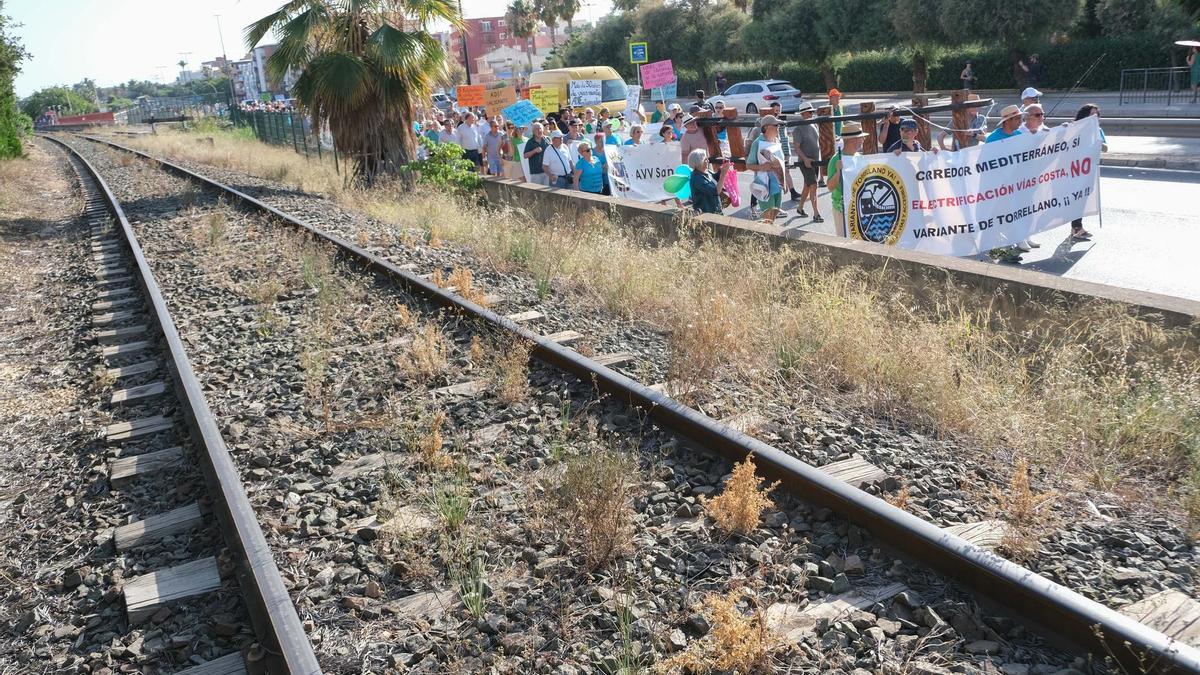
<point>557,162</point>
<point>471,139</point>
<point>1035,119</point>
<point>447,134</point>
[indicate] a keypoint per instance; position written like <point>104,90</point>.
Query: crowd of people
<point>267,106</point>
<point>564,150</point>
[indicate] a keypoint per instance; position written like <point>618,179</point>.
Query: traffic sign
<point>637,52</point>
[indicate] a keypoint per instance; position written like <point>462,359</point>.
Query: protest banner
<point>545,98</point>
<point>966,202</point>
<point>496,100</point>
<point>521,113</point>
<point>470,95</point>
<point>657,74</point>
<point>585,92</point>
<point>666,92</point>
<point>638,171</point>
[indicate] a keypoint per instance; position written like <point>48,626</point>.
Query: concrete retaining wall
<point>1013,289</point>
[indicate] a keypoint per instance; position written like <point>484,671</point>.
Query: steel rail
<point>1086,624</point>
<point>288,650</point>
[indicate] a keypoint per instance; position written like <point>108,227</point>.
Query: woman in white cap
<point>765,159</point>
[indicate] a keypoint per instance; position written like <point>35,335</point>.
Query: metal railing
<point>282,128</point>
<point>199,105</point>
<point>1154,85</point>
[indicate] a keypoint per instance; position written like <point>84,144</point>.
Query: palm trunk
<point>553,35</point>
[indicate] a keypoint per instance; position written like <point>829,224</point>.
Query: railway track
<point>958,552</point>
<point>157,399</point>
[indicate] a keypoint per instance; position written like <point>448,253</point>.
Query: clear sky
<point>113,41</point>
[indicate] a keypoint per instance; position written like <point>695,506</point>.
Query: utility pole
<point>225,61</point>
<point>463,33</point>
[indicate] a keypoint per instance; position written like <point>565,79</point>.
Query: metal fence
<point>282,128</point>
<point>199,105</point>
<point>1154,85</point>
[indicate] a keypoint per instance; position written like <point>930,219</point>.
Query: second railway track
<point>298,352</point>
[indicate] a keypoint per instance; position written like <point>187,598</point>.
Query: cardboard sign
<point>545,98</point>
<point>585,92</point>
<point>496,100</point>
<point>658,74</point>
<point>522,113</point>
<point>665,93</point>
<point>470,95</point>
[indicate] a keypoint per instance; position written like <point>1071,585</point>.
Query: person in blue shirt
<point>635,135</point>
<point>1010,124</point>
<point>706,186</point>
<point>589,171</point>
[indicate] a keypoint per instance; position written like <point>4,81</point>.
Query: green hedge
<point>892,70</point>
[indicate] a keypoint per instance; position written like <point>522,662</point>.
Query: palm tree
<point>547,12</point>
<point>522,21</point>
<point>626,5</point>
<point>567,9</point>
<point>363,70</point>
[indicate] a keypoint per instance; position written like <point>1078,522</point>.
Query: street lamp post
<point>463,33</point>
<point>225,61</point>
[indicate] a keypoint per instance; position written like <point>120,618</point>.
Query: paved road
<point>1148,238</point>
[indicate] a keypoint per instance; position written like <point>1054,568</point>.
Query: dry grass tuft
<point>595,497</point>
<point>1022,508</point>
<point>703,339</point>
<point>424,437</point>
<point>739,642</point>
<point>427,356</point>
<point>507,369</point>
<point>462,279</point>
<point>739,508</point>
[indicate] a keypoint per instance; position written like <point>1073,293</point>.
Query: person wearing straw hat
<point>852,142</point>
<point>808,153</point>
<point>765,159</point>
<point>1010,124</point>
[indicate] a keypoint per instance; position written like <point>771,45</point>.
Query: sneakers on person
<point>1024,246</point>
<point>817,218</point>
<point>801,214</point>
<point>1032,244</point>
<point>1081,235</point>
<point>754,214</point>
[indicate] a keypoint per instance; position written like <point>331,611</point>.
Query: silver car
<point>443,102</point>
<point>755,95</point>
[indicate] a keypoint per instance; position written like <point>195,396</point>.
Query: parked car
<point>750,97</point>
<point>443,102</point>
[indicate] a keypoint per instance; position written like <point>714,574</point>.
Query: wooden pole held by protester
<point>737,147</point>
<point>871,142</point>
<point>825,133</point>
<point>959,117</point>
<point>922,124</point>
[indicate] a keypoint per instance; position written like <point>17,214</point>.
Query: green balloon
<point>674,183</point>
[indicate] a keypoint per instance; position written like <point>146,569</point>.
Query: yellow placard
<point>545,98</point>
<point>470,95</point>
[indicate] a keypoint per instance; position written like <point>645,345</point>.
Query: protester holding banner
<point>516,145</point>
<point>666,134</point>
<point>589,173</point>
<point>706,186</point>
<point>908,138</point>
<point>534,150</point>
<point>635,135</point>
<point>1087,111</point>
<point>976,130</point>
<point>1010,124</point>
<point>852,142</point>
<point>692,139</point>
<point>889,129</point>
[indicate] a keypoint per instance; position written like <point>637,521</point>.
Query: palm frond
<point>340,76</point>
<point>431,11</point>
<point>256,31</point>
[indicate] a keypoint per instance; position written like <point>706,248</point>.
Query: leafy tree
<point>1010,24</point>
<point>522,22</point>
<point>827,25</point>
<point>13,123</point>
<point>1164,18</point>
<point>87,89</point>
<point>626,5</point>
<point>359,71</point>
<point>64,100</point>
<point>919,30</point>
<point>694,36</point>
<point>606,43</point>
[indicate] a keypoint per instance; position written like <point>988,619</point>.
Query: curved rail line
<point>270,606</point>
<point>1084,624</point>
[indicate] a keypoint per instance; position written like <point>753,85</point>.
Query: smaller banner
<point>637,52</point>
<point>496,100</point>
<point>658,74</point>
<point>470,95</point>
<point>970,201</point>
<point>545,98</point>
<point>585,92</point>
<point>522,113</point>
<point>666,92</point>
<point>638,171</point>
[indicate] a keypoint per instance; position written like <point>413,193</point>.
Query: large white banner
<point>961,203</point>
<point>638,171</point>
